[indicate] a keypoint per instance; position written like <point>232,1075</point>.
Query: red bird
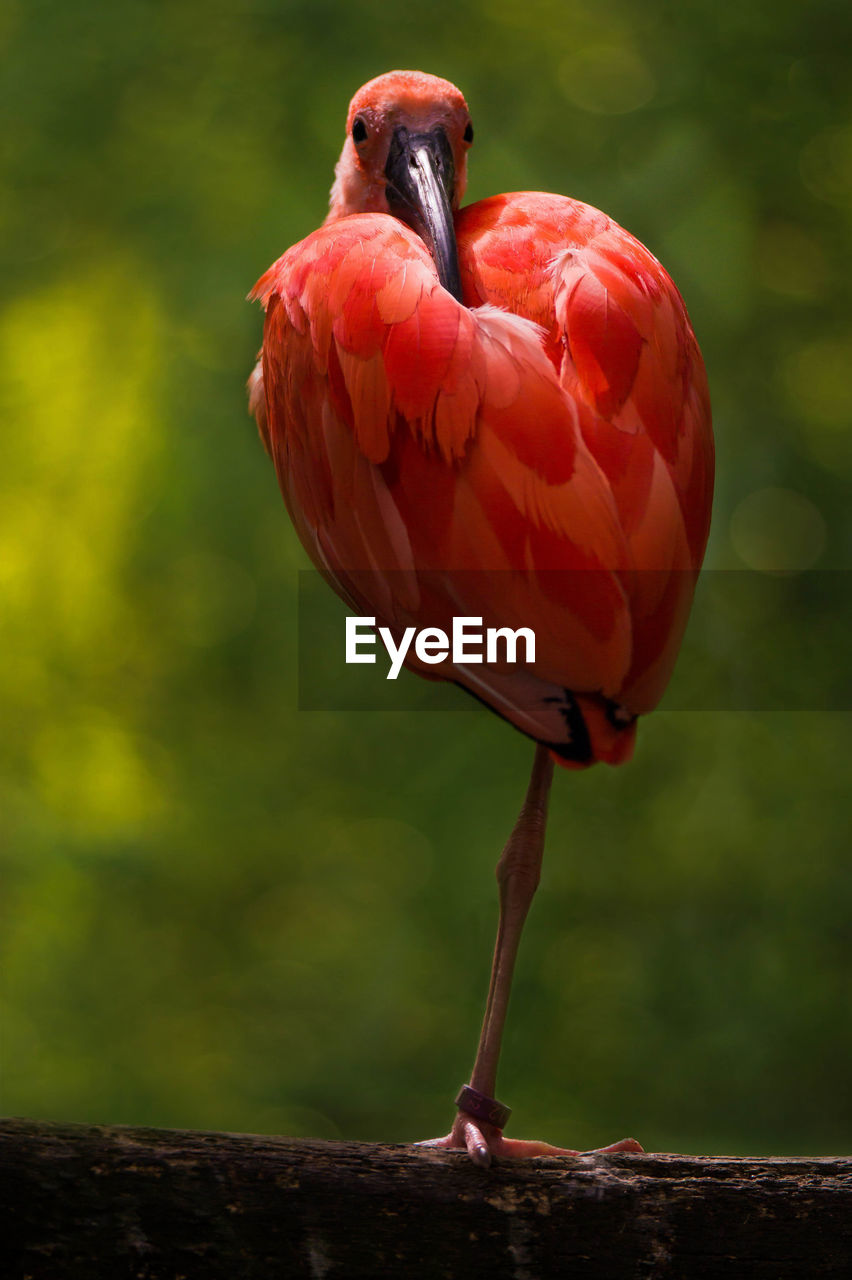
<point>497,412</point>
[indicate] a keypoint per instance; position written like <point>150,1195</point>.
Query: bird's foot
<point>484,1142</point>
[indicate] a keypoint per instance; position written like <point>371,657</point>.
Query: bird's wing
<point>619,337</point>
<point>434,465</point>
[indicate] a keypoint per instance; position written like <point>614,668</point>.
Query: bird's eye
<point>359,131</point>
<point>468,133</point>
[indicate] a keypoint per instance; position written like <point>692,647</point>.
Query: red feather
<point>540,455</point>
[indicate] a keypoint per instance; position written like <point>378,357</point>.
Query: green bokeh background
<point>221,911</point>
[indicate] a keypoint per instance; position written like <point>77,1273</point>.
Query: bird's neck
<point>352,192</point>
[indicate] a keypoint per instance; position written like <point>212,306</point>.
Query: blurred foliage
<point>221,911</point>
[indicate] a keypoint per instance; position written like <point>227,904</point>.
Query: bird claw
<point>485,1143</point>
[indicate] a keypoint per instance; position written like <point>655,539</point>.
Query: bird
<point>498,412</point>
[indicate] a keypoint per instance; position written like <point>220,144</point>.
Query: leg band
<point>481,1107</point>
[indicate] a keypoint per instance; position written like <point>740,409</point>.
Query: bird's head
<point>407,138</point>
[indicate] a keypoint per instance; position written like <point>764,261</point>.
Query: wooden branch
<point>89,1201</point>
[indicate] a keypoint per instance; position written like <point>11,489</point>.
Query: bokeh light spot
<point>818,381</point>
<point>777,530</point>
<point>95,776</point>
<point>791,262</point>
<point>825,164</point>
<point>213,598</point>
<point>607,79</point>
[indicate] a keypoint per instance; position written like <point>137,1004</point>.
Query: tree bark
<point>90,1201</point>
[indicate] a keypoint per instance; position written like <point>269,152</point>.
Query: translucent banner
<point>754,641</point>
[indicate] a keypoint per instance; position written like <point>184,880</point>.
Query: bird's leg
<point>518,874</point>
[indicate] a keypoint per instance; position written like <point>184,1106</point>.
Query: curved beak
<point>420,182</point>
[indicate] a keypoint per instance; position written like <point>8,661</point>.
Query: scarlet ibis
<point>497,412</point>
